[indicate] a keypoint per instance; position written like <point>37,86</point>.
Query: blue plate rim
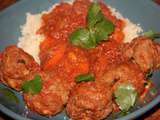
<point>132,115</point>
<point>12,114</point>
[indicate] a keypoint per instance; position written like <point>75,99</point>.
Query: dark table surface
<point>153,114</point>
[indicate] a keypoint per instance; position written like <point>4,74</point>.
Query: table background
<point>154,114</point>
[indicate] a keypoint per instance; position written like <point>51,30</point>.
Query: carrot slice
<point>56,57</point>
<point>118,36</point>
<point>76,62</point>
<point>47,43</point>
<point>83,68</point>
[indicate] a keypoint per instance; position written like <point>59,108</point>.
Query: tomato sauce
<point>58,55</point>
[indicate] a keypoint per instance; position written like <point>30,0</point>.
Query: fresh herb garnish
<point>33,86</point>
<point>125,96</point>
<point>103,30</point>
<point>82,37</point>
<point>98,29</point>
<point>9,95</point>
<point>149,75</point>
<point>94,15</point>
<point>122,113</point>
<point>152,35</point>
<point>85,78</point>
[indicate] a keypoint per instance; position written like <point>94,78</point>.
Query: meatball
<point>104,56</point>
<point>17,66</point>
<point>144,52</point>
<point>90,101</point>
<point>44,104</point>
<point>51,99</point>
<point>125,73</point>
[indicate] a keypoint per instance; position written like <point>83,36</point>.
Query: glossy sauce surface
<point>56,52</point>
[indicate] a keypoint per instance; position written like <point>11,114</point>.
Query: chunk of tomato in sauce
<point>59,24</point>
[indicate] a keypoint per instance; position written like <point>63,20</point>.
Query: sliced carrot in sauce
<point>56,57</point>
<point>76,62</point>
<point>46,44</point>
<point>84,68</point>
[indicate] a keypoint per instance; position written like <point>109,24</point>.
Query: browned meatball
<point>144,52</point>
<point>51,99</point>
<point>125,73</point>
<point>90,101</point>
<point>17,66</point>
<point>44,104</point>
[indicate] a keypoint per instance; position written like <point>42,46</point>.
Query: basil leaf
<point>98,28</point>
<point>94,15</point>
<point>103,29</point>
<point>152,35</point>
<point>125,96</point>
<point>149,75</point>
<point>33,86</point>
<point>82,38</point>
<point>9,95</point>
<point>85,78</point>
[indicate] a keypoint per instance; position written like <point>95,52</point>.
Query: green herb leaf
<point>85,78</point>
<point>9,95</point>
<point>94,15</point>
<point>125,96</point>
<point>122,114</point>
<point>149,75</point>
<point>33,86</point>
<point>82,38</point>
<point>98,29</point>
<point>103,29</point>
<point>152,35</point>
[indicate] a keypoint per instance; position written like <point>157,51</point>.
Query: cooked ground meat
<point>144,52</point>
<point>125,73</point>
<point>52,98</point>
<point>44,104</point>
<point>90,101</point>
<point>105,56</point>
<point>17,66</point>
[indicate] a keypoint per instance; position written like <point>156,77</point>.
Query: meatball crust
<point>144,52</point>
<point>125,73</point>
<point>51,99</point>
<point>44,104</point>
<point>17,66</point>
<point>90,101</point>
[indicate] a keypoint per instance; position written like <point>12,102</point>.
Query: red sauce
<point>104,56</point>
<point>157,1</point>
<point>58,55</point>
